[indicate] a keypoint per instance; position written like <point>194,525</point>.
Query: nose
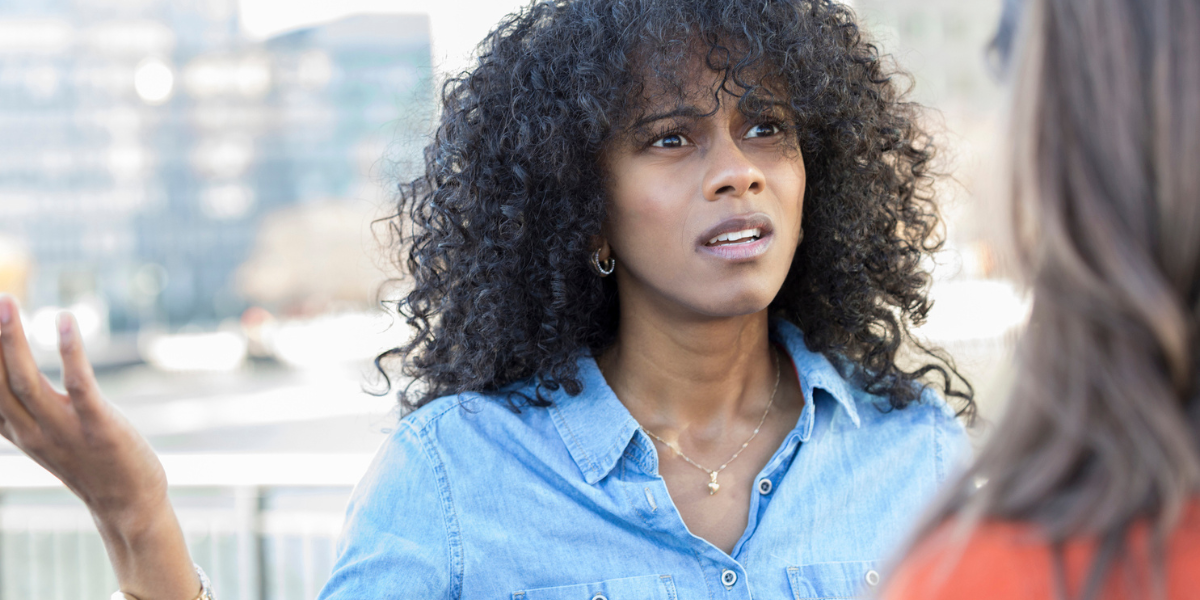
<point>731,172</point>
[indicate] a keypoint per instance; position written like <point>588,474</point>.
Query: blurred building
<point>142,143</point>
<point>944,45</point>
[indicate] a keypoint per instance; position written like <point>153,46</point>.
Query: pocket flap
<point>645,587</point>
<point>833,580</point>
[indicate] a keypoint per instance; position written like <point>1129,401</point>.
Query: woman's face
<point>704,210</point>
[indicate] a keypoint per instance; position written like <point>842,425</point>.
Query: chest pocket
<point>827,581</point>
<point>646,587</point>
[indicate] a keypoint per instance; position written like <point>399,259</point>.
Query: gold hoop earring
<point>603,269</point>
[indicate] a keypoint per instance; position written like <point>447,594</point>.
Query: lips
<point>738,238</point>
<point>737,230</point>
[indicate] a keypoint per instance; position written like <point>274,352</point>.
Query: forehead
<point>703,79</point>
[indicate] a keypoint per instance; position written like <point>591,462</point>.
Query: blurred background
<point>197,180</point>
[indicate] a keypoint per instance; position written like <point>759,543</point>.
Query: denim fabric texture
<point>469,499</point>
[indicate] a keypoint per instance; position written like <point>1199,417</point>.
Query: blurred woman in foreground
<point>1088,489</point>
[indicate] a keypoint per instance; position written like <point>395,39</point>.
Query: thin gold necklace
<point>713,486</point>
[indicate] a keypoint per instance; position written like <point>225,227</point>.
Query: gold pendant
<point>713,486</point>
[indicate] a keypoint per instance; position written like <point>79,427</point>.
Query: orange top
<point>1003,560</point>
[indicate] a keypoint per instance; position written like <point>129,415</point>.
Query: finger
<point>25,382</point>
<point>13,414</point>
<point>11,409</point>
<point>78,377</point>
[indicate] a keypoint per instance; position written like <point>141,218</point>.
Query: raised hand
<point>84,441</point>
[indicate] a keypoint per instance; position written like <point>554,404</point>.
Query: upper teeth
<point>734,236</point>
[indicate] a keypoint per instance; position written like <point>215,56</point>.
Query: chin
<point>737,304</point>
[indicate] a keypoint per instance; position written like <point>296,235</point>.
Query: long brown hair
<point>1101,427</point>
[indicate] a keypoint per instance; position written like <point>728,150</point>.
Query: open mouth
<point>744,236</point>
<point>738,239</point>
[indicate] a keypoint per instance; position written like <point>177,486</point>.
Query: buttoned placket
<point>658,512</point>
<point>722,571</point>
<point>770,475</point>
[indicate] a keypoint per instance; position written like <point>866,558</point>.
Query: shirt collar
<point>597,428</point>
<point>816,372</point>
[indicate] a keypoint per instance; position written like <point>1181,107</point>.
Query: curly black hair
<point>498,230</point>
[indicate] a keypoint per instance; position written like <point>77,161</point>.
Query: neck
<point>695,378</point>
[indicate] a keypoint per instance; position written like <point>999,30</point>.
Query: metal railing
<point>257,542</point>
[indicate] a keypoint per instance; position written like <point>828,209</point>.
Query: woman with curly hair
<point>664,259</point>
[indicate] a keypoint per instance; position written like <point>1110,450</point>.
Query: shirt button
<point>728,578</point>
<point>872,578</point>
<point>764,486</point>
<point>599,596</point>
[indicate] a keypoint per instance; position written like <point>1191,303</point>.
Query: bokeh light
<point>153,81</point>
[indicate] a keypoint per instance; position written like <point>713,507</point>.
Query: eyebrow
<point>691,112</point>
<point>683,112</point>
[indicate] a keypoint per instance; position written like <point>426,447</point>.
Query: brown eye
<point>673,140</point>
<point>763,130</point>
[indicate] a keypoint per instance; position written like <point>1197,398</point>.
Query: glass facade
<point>142,144</point>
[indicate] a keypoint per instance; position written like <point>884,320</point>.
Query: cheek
<point>647,214</point>
<point>789,183</point>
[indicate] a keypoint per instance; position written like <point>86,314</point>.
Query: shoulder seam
<point>427,420</point>
<point>453,533</point>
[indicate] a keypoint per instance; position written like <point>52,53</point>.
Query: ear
<point>601,242</point>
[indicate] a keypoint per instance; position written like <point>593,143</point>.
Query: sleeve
<point>953,447</point>
<point>399,539</point>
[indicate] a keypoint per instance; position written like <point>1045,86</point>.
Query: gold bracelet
<point>205,588</point>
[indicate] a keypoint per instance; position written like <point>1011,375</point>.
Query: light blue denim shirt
<point>469,499</point>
